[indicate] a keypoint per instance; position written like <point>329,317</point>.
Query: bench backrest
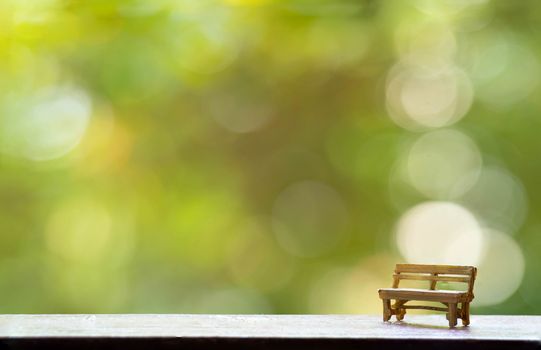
<point>434,274</point>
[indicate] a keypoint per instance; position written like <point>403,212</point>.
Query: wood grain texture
<point>264,332</point>
<point>423,294</point>
<point>439,269</point>
<point>433,278</point>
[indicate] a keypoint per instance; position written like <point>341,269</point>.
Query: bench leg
<point>400,312</point>
<point>386,310</point>
<point>452,314</point>
<point>465,314</point>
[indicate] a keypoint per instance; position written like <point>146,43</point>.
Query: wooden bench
<point>432,274</point>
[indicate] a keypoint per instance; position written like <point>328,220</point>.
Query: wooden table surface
<point>264,332</point>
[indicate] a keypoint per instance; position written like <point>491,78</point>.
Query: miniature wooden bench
<point>432,274</point>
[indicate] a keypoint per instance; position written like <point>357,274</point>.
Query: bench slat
<point>439,269</point>
<point>423,295</point>
<point>432,278</point>
<point>423,307</point>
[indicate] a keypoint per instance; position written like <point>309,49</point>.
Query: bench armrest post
<point>433,282</point>
<point>396,279</point>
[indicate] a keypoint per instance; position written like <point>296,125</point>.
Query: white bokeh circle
<point>439,233</point>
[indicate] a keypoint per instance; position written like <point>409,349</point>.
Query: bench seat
<point>451,296</point>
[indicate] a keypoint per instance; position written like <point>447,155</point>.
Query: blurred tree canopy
<point>265,156</point>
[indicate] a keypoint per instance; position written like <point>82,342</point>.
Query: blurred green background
<point>265,156</point>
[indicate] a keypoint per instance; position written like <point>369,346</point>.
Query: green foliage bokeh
<point>231,156</point>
